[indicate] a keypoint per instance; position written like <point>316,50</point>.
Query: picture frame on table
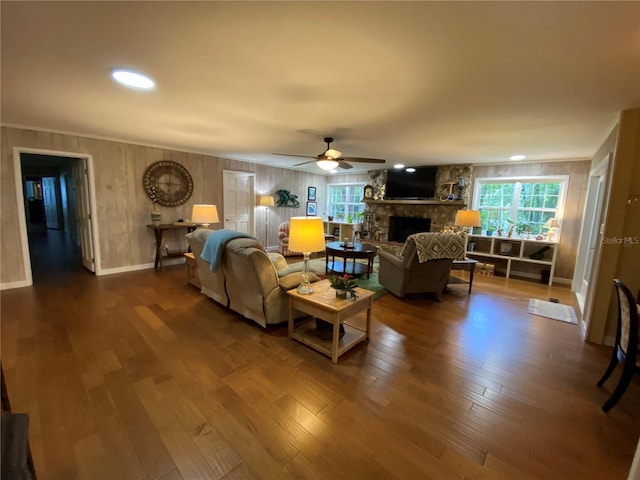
<point>311,194</point>
<point>312,208</point>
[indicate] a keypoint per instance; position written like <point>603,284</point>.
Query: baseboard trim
<point>533,276</point>
<point>134,268</point>
<point>20,284</point>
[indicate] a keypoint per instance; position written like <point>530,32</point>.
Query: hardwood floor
<point>138,376</point>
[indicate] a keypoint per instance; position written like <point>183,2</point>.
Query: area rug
<point>556,311</point>
<point>318,266</point>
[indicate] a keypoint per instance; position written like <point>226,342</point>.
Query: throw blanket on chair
<point>431,246</point>
<point>214,246</point>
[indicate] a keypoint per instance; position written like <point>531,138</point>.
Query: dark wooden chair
<point>17,463</point>
<point>625,350</point>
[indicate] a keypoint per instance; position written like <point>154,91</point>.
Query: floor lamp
<point>266,201</point>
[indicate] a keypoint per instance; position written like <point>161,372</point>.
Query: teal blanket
<point>214,246</point>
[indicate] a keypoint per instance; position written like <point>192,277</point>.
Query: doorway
<point>239,200</point>
<point>590,240</point>
<point>54,190</point>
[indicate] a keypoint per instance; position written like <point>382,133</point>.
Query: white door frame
<point>250,198</point>
<point>590,232</point>
<point>24,239</point>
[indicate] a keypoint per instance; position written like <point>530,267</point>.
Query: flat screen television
<point>418,185</point>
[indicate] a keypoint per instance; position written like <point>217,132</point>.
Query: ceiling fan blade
<point>363,160</point>
<point>344,165</point>
<point>303,163</point>
<point>289,155</point>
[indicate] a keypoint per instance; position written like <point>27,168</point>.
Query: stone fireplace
<point>401,227</point>
<point>438,212</point>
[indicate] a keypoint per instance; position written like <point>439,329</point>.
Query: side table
<point>192,270</point>
<point>323,304</point>
<point>466,264</point>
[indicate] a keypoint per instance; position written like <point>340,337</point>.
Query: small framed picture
<point>312,208</point>
<point>311,194</point>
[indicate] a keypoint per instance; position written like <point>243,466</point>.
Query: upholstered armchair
<point>283,241</point>
<point>424,265</point>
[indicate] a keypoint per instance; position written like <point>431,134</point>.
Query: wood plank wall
<point>122,206</point>
<point>572,218</point>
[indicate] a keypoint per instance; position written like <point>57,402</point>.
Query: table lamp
<point>306,235</point>
<point>551,224</point>
<point>204,215</point>
<point>266,201</point>
<point>467,218</point>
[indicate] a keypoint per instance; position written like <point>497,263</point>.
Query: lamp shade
<point>306,234</point>
<point>204,214</point>
<point>467,218</point>
<point>552,223</point>
<point>266,201</point>
<point>333,153</point>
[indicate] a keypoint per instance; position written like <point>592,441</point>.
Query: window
<point>344,200</point>
<point>525,203</point>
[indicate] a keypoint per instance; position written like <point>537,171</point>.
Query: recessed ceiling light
<point>398,165</point>
<point>410,170</point>
<point>333,171</point>
<point>517,157</point>
<point>133,80</point>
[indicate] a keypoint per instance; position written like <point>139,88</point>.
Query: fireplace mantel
<point>453,203</point>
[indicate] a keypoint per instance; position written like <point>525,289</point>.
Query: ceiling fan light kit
<point>327,164</point>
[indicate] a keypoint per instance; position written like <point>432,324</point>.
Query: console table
<point>159,230</point>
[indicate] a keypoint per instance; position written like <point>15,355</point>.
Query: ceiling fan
<point>332,158</point>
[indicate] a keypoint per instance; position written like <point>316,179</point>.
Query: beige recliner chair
<point>407,274</point>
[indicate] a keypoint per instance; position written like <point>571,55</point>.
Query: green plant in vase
<point>343,284</point>
<point>523,229</point>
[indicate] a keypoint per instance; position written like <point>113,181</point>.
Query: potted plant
<point>344,285</point>
<point>523,229</point>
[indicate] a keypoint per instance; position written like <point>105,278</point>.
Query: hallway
<point>53,254</point>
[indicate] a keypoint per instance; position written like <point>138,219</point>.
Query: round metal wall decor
<point>167,183</point>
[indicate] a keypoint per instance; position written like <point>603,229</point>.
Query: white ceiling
<point>421,83</point>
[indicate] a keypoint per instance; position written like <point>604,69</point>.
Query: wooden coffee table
<point>353,252</point>
<point>323,304</point>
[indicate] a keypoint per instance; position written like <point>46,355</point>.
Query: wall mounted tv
<point>418,185</point>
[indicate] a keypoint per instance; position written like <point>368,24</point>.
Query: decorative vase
<point>341,294</point>
<point>156,217</point>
